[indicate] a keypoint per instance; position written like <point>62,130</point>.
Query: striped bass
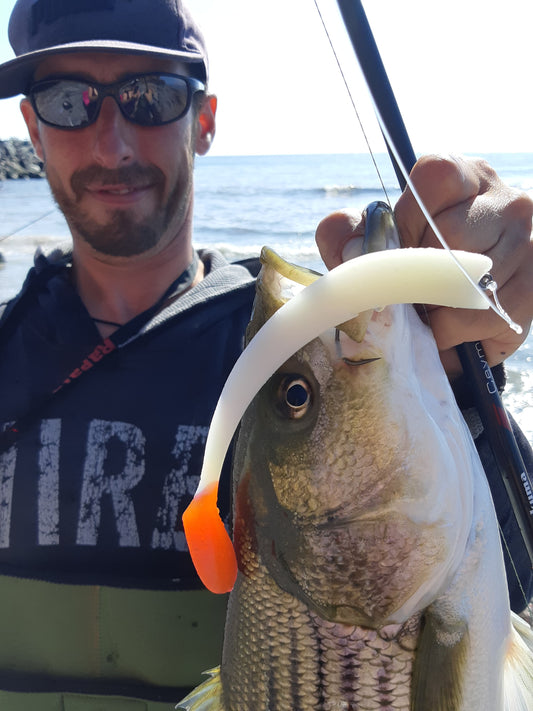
<point>370,571</point>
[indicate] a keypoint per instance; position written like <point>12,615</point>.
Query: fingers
<point>334,232</point>
<point>475,211</point>
<point>452,327</point>
<point>448,188</point>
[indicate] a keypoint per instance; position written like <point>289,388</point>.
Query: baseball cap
<point>40,28</point>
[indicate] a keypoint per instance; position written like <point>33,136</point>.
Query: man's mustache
<point>129,176</point>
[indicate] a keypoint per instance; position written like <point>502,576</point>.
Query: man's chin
<point>121,237</point>
<point>121,246</point>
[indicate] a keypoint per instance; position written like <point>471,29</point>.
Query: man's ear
<point>206,124</point>
<point>32,122</point>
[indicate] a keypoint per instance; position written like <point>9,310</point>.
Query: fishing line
<point>352,101</point>
<point>487,284</point>
<point>506,452</point>
<point>28,224</point>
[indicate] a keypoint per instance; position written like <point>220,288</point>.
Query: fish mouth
<point>363,361</point>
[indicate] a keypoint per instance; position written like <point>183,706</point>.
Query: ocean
<point>245,202</point>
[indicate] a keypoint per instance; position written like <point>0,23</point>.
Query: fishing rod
<point>475,367</point>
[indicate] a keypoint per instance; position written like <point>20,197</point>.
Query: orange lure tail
<point>210,546</point>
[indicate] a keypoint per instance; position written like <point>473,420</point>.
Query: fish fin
<point>438,673</point>
<point>518,673</point>
<point>301,275</point>
<point>207,696</point>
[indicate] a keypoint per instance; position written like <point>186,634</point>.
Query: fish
<point>370,570</point>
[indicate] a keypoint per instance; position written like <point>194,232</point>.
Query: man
<point>112,357</point>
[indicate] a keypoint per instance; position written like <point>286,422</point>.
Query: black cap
<point>40,28</point>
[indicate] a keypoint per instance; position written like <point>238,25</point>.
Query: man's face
<point>125,190</point>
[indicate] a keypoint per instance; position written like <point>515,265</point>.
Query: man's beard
<point>123,235</point>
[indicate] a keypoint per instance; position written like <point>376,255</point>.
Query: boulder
<point>18,160</point>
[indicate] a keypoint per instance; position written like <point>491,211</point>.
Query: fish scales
<point>302,662</point>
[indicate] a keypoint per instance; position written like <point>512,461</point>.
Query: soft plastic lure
<point>371,281</point>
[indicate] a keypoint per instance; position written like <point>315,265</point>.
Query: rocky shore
<point>18,160</point>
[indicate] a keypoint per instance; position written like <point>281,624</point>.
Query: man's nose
<point>114,136</point>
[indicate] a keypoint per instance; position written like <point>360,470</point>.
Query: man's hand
<point>475,211</point>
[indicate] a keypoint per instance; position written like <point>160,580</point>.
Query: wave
<point>337,191</point>
<point>238,232</point>
<point>350,190</point>
<point>289,192</point>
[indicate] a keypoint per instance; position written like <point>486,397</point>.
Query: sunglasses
<point>145,99</point>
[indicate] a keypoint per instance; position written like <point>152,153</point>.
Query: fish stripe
<point>295,672</point>
<point>321,661</point>
<point>349,679</point>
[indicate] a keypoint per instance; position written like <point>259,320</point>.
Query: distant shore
<point>18,160</point>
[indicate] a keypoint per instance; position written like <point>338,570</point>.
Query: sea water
<point>245,202</point>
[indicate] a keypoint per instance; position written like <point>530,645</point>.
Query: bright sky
<point>461,71</point>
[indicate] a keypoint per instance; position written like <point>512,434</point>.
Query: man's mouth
<point>120,192</point>
<point>124,184</point>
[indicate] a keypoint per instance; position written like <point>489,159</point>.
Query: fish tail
<point>518,673</point>
<point>207,696</point>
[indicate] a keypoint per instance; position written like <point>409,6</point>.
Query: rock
<point>18,160</point>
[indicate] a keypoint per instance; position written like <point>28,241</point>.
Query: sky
<point>460,69</point>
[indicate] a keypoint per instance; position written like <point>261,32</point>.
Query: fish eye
<point>295,396</point>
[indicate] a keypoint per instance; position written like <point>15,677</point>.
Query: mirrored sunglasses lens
<point>67,104</point>
<point>154,100</point>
